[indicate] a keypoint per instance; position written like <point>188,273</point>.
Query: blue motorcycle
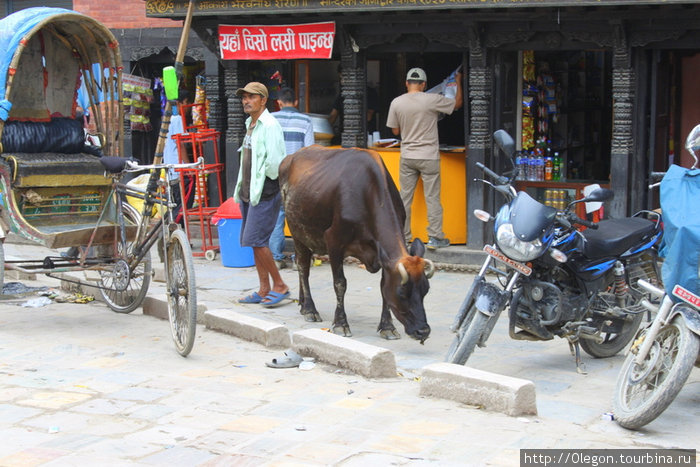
<point>663,354</point>
<point>554,279</point>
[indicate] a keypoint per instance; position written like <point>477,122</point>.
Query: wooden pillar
<point>479,89</point>
<point>622,140</point>
<point>353,88</point>
<point>235,122</point>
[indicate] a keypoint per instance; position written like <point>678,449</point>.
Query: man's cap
<point>416,74</point>
<point>253,88</point>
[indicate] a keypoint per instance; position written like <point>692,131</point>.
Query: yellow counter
<point>453,194</point>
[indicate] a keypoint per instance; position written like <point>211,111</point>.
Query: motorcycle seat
<point>615,236</point>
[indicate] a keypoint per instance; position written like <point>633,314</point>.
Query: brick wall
<point>122,14</point>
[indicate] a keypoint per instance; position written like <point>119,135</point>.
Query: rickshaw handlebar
<point>133,166</point>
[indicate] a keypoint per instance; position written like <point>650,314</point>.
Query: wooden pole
<point>179,59</point>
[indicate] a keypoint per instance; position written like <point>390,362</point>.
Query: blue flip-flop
<point>252,298</point>
<point>274,298</point>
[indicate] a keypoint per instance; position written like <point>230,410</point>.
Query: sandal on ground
<point>273,298</point>
<point>291,359</point>
<point>252,298</point>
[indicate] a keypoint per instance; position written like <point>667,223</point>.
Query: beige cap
<point>416,74</point>
<point>253,88</point>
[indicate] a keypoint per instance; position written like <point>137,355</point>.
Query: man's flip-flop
<point>252,298</point>
<point>273,298</point>
<point>291,359</point>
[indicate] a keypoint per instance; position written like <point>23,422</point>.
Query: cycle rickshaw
<point>58,190</point>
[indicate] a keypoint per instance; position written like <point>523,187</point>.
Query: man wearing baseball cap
<point>258,191</point>
<point>414,116</point>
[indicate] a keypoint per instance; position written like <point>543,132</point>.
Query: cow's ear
<point>417,248</point>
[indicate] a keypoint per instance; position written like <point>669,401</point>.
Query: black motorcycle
<point>557,280</point>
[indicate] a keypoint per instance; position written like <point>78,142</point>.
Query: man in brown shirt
<point>414,116</point>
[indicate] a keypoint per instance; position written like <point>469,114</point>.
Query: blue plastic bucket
<point>233,255</point>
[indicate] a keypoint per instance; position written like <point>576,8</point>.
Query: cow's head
<point>405,289</point>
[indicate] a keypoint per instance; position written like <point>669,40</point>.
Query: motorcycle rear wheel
<point>467,336</point>
<point>613,343</point>
<point>643,392</point>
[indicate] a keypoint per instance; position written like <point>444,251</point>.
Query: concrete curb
<point>159,309</point>
<point>367,360</point>
<point>248,328</point>
<point>511,396</point>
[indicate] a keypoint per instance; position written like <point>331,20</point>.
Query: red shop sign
<point>258,42</point>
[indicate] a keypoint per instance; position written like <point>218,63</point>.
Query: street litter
<point>307,365</point>
<point>290,359</point>
<point>16,288</point>
<point>37,302</point>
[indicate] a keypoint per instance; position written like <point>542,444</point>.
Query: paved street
<point>82,385</point>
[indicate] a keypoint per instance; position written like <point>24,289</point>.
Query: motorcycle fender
<point>690,316</point>
<point>490,300</point>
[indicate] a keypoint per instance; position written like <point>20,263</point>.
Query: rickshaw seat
<point>55,170</point>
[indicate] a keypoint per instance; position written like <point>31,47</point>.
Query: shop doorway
<point>143,143</point>
<point>566,108</point>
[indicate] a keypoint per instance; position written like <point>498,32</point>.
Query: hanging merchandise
<point>447,88</point>
<point>137,98</point>
<point>200,111</point>
<point>529,66</point>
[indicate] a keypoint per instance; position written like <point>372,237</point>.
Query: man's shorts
<point>259,221</point>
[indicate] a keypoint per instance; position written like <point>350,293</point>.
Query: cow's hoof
<point>390,334</point>
<point>342,331</point>
<point>312,317</point>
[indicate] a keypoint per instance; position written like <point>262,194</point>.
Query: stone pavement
<point>81,385</point>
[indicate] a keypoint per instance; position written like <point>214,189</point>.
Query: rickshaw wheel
<point>122,294</point>
<point>182,292</point>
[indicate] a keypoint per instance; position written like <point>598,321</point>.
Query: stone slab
<point>365,359</point>
<point>498,393</point>
<point>248,328</point>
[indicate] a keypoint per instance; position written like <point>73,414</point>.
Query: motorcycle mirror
<point>692,144</point>
<point>505,142</point>
<point>600,194</point>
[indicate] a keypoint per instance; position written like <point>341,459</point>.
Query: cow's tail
<point>395,196</point>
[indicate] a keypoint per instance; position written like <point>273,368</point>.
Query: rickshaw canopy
<point>58,44</point>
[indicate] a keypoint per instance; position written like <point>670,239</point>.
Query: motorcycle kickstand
<point>575,350</point>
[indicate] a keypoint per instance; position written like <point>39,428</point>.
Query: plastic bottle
<point>548,168</point>
<point>556,167</point>
<point>540,168</point>
<point>531,168</point>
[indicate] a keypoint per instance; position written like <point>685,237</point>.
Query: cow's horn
<point>402,271</point>
<point>430,269</point>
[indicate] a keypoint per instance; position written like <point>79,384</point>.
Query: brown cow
<point>343,202</point>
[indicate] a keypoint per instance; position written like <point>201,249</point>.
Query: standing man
<point>298,133</point>
<point>414,116</point>
<point>258,191</point>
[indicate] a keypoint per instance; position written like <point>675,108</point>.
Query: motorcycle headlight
<point>514,248</point>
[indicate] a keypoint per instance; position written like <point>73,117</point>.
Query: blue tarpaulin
<point>680,207</point>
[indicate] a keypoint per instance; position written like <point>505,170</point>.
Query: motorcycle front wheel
<point>468,336</point>
<point>643,392</point>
